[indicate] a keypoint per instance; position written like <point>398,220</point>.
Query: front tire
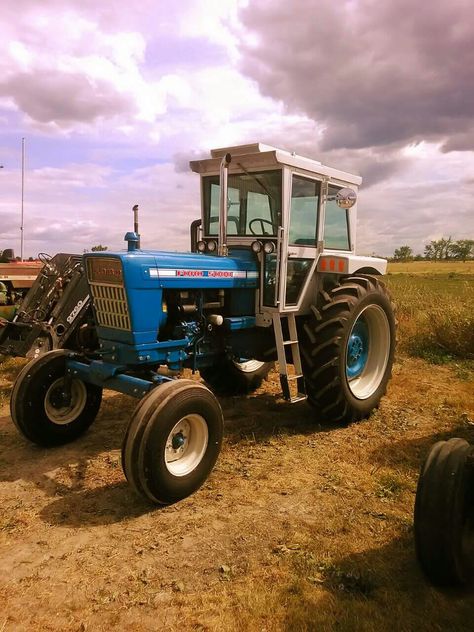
<point>347,346</point>
<point>173,441</point>
<point>444,514</point>
<point>40,408</point>
<point>233,377</point>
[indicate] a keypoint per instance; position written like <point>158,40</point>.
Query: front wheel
<point>47,409</point>
<point>173,441</point>
<point>444,514</point>
<point>348,345</point>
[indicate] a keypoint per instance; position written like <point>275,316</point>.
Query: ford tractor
<point>272,276</point>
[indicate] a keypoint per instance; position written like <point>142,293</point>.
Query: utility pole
<point>22,194</point>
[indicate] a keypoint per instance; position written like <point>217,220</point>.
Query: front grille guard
<point>111,307</point>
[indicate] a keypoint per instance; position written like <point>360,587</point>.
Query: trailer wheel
<point>347,346</point>
<point>235,377</point>
<point>173,441</point>
<point>444,514</point>
<point>40,408</point>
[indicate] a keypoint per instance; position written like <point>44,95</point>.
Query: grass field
<point>432,267</point>
<point>300,528</point>
<point>435,307</point>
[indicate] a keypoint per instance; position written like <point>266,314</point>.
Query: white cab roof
<point>257,155</point>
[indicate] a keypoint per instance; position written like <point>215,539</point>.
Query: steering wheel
<point>262,221</point>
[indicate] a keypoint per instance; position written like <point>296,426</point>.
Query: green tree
<point>404,253</point>
<point>446,245</point>
<point>438,249</point>
<point>463,249</point>
<point>99,248</point>
<point>429,252</point>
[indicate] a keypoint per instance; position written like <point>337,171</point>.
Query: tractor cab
<point>285,208</point>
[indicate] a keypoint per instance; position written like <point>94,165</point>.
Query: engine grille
<point>111,306</point>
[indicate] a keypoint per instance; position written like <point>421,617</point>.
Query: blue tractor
<point>273,276</point>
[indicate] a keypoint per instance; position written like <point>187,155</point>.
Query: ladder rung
<point>294,358</point>
<point>298,398</point>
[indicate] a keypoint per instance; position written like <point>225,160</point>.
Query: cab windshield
<point>253,207</point>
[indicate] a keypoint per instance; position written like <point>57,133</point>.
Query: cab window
<point>253,203</point>
<point>336,223</point>
<point>304,211</point>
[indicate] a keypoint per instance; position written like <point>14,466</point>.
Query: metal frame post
<point>222,249</point>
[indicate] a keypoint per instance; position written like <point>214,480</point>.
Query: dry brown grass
<point>9,367</point>
<point>431,267</point>
<point>435,314</point>
<point>300,527</point>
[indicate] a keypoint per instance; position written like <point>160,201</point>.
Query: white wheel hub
<point>62,409</point>
<point>365,384</point>
<point>186,445</point>
<point>248,366</point>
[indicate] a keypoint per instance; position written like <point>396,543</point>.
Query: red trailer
<point>16,278</point>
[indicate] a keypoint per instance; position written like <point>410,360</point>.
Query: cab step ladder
<point>290,394</point>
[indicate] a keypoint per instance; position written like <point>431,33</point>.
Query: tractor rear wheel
<point>45,408</point>
<point>347,346</point>
<point>173,441</point>
<point>233,377</point>
<point>444,513</point>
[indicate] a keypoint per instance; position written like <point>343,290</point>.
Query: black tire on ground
<point>38,408</point>
<point>229,377</point>
<point>353,321</point>
<point>444,514</point>
<point>173,441</point>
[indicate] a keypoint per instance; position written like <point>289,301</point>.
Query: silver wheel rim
<point>62,415</point>
<point>365,384</point>
<point>186,445</point>
<point>248,366</point>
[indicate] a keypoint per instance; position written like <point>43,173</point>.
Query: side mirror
<point>346,198</point>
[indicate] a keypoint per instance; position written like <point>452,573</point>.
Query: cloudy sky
<point>115,98</point>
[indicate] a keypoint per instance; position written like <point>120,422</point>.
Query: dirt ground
<point>299,527</point>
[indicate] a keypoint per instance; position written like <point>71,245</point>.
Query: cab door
<point>300,252</point>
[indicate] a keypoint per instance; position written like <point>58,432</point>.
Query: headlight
<point>211,245</point>
<point>269,247</point>
<point>256,246</point>
<point>201,246</point>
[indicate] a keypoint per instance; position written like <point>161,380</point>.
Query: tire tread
<point>321,345</point>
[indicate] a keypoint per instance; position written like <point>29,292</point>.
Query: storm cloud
<point>64,98</point>
<point>372,73</point>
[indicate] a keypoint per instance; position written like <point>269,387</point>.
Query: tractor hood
<point>148,269</point>
<point>127,287</point>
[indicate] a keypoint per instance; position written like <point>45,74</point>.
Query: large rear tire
<point>173,441</point>
<point>444,514</point>
<point>43,410</point>
<point>347,347</point>
<point>232,377</point>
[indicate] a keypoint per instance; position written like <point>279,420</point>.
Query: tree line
<point>444,249</point>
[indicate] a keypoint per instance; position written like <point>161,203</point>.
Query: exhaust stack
<point>133,238</point>
<point>135,224</point>
<point>222,249</point>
